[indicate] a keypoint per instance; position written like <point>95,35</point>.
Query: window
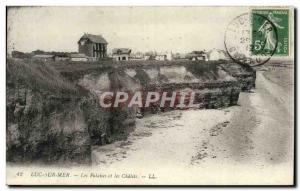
<point>82,42</point>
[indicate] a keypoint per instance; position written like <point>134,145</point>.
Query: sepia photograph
<point>150,95</point>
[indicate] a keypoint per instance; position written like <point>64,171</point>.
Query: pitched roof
<point>121,51</point>
<point>94,38</point>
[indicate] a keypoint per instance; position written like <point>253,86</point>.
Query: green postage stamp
<point>270,32</point>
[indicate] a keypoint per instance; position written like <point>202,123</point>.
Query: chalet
<point>197,55</point>
<point>121,54</point>
<point>137,56</point>
<point>147,57</point>
<point>216,54</point>
<point>164,56</point>
<point>169,56</point>
<point>93,46</point>
<point>161,57</point>
<point>179,56</point>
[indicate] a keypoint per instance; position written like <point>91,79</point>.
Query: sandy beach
<point>256,134</point>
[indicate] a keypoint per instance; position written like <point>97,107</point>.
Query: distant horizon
<point>142,29</point>
<point>110,51</point>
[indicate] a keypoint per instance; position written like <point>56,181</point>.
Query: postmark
<point>253,39</point>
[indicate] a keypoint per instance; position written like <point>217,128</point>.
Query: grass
<point>60,76</point>
<point>38,75</point>
<point>204,70</point>
<point>73,71</point>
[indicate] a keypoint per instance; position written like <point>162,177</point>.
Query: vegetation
<point>38,76</point>
<point>204,70</point>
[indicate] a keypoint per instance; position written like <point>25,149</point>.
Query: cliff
<point>53,110</point>
<point>48,118</point>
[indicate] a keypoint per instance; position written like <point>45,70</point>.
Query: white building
<point>197,55</point>
<point>146,57</point>
<point>161,57</point>
<point>216,54</point>
<point>121,54</point>
<point>169,56</point>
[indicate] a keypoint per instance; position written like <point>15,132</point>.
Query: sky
<point>176,29</point>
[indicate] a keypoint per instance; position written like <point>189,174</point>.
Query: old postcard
<point>150,95</point>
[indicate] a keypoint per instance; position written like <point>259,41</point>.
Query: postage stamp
<point>270,31</point>
<point>238,40</point>
<point>254,38</point>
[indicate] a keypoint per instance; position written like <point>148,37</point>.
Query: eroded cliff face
<point>53,110</point>
<point>49,120</point>
<point>245,75</point>
<point>45,129</point>
<point>52,119</point>
<point>213,86</point>
<point>122,119</point>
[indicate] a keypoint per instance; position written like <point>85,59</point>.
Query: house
<point>93,46</point>
<point>78,57</point>
<point>150,55</point>
<point>137,56</point>
<point>161,57</point>
<point>179,56</point>
<point>43,57</point>
<point>169,56</point>
<point>197,55</point>
<point>216,54</point>
<point>147,57</point>
<point>121,54</point>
